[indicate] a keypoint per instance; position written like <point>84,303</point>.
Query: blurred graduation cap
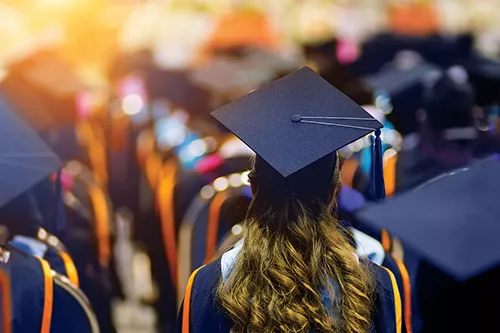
<point>405,88</point>
<point>178,89</point>
<point>224,76</point>
<point>451,221</point>
<point>297,120</point>
<point>230,76</point>
<point>443,51</point>
<point>25,159</point>
<point>174,86</point>
<point>42,89</point>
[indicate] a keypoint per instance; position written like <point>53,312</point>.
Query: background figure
<point>449,136</point>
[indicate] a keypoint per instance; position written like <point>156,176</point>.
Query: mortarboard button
<point>296,120</point>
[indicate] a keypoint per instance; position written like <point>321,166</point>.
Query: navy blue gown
<point>44,301</point>
<point>200,312</point>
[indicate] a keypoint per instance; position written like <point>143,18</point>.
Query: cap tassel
<point>377,186</point>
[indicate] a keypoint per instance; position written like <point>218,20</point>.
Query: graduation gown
<point>200,312</point>
<point>158,242</point>
<point>54,253</point>
<point>44,301</point>
<point>82,242</point>
<point>380,254</point>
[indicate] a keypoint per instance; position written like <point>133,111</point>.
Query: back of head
<point>449,100</point>
<point>21,216</point>
<point>28,212</point>
<point>314,187</point>
<point>295,252</point>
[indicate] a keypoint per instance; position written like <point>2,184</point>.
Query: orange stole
<point>187,302</point>
<point>347,171</point>
<point>407,294</point>
<point>48,287</point>
<point>390,175</point>
<point>70,267</point>
<point>386,241</point>
<point>213,225</point>
<point>6,302</point>
<point>165,206</point>
<point>397,301</point>
<point>102,224</point>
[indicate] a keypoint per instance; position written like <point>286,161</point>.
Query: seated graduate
<point>43,300</point>
<point>449,137</point>
<point>295,269</point>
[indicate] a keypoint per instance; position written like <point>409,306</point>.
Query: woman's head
<point>295,252</point>
<point>449,100</point>
<point>25,214</point>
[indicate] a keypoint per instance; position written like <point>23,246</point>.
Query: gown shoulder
<point>201,313</point>
<point>387,313</point>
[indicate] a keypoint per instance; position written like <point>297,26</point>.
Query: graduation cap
<point>297,120</point>
<point>451,221</point>
<point>25,159</point>
<point>43,88</point>
<point>405,88</point>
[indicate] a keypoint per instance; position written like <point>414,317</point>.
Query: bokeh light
<point>132,104</point>
<point>221,184</point>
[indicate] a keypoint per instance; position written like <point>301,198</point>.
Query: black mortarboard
<point>25,159</point>
<point>296,121</point>
<point>177,88</point>
<point>405,89</point>
<point>451,221</point>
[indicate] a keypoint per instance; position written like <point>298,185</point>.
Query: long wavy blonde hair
<point>294,252</point>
